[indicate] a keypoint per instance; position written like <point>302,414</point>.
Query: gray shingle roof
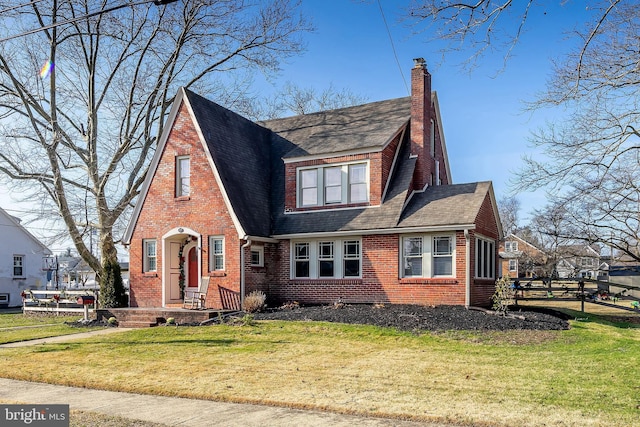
<point>445,205</point>
<point>368,126</point>
<point>241,152</point>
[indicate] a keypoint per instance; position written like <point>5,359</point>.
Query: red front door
<point>193,268</point>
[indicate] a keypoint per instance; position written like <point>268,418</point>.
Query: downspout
<point>242,286</point>
<point>467,295</point>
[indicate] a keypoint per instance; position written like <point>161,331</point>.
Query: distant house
<point>521,259</point>
<point>21,261</point>
<point>581,261</point>
<point>355,204</point>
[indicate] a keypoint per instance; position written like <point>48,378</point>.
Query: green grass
<point>19,327</point>
<point>586,376</point>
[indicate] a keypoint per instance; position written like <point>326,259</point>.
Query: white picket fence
<point>57,302</point>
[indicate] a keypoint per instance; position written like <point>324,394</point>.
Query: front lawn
<point>586,376</point>
<point>19,327</point>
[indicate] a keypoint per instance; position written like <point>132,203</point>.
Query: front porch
<point>145,317</point>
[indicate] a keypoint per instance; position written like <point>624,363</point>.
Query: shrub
<point>171,321</point>
<point>112,292</point>
<point>503,296</point>
<point>254,302</point>
<point>112,321</point>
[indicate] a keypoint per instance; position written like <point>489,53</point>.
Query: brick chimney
<point>421,123</point>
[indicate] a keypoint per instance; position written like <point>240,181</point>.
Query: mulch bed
<point>421,318</point>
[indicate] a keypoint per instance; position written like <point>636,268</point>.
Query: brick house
<point>354,204</point>
<point>521,259</point>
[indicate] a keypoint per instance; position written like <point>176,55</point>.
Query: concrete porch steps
<point>149,317</point>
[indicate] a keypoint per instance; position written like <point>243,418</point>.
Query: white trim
<point>260,251</point>
<point>332,155</point>
<point>346,208</point>
<point>443,144</point>
<point>344,183</point>
<point>212,254</point>
<point>338,257</point>
<point>427,256</point>
<point>406,230</point>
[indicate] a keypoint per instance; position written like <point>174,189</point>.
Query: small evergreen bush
<point>112,292</point>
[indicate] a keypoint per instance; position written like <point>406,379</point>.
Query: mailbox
<point>86,299</point>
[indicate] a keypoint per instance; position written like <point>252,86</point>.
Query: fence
<point>608,294</point>
<point>65,301</point>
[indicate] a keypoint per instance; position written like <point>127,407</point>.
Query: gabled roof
<point>14,222</point>
<point>364,127</point>
<point>247,163</point>
<point>446,205</point>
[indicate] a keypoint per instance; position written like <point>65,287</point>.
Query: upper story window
<point>149,262</point>
<point>432,138</point>
<point>333,185</point>
<point>510,246</point>
<point>18,266</point>
<point>183,176</point>
<point>428,256</point>
<point>587,262</point>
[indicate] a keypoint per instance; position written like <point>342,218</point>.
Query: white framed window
<point>413,254</point>
<point>18,266</point>
<point>308,187</point>
<point>511,246</point>
<point>183,176</point>
<point>486,259</point>
<point>428,255</point>
<point>351,258</point>
<point>587,262</point>
<point>513,265</point>
<point>149,255</point>
<point>333,184</point>
<point>324,259</point>
<point>302,259</point>
<point>216,253</point>
<point>257,256</point>
<point>442,256</point>
<point>358,191</point>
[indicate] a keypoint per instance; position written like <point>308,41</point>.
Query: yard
<point>584,376</point>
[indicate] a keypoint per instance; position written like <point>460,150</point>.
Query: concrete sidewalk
<point>64,338</point>
<point>174,411</point>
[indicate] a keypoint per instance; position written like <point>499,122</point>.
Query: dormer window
<point>511,246</point>
<point>333,185</point>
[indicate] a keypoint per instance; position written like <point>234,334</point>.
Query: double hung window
<point>18,266</point>
<point>149,255</point>
<point>216,253</point>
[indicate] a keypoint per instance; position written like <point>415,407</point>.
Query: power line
<point>393,47</point>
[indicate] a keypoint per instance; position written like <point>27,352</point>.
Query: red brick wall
<point>487,227</point>
<point>380,282</point>
<point>204,211</point>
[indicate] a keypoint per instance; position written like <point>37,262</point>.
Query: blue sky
<point>485,128</point>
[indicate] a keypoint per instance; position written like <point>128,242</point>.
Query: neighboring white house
<point>21,261</point>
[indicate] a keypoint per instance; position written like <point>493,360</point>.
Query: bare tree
<point>293,99</point>
<point>509,209</point>
<point>590,161</point>
<point>78,137</point>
